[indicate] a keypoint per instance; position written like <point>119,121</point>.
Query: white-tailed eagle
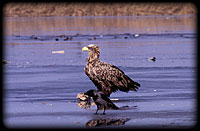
<point>106,77</point>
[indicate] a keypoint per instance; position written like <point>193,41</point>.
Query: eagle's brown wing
<point>109,78</point>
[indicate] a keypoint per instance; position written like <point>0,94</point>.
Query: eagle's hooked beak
<point>84,48</point>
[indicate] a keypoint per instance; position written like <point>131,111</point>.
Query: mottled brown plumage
<point>106,77</point>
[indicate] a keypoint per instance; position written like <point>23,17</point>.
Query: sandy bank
<point>97,9</point>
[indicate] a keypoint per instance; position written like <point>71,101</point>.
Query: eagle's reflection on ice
<point>106,122</point>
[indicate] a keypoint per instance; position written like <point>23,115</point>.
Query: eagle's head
<point>93,51</point>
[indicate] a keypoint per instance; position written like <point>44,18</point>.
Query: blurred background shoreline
<point>97,9</point>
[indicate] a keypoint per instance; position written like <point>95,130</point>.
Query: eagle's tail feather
<point>132,85</point>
